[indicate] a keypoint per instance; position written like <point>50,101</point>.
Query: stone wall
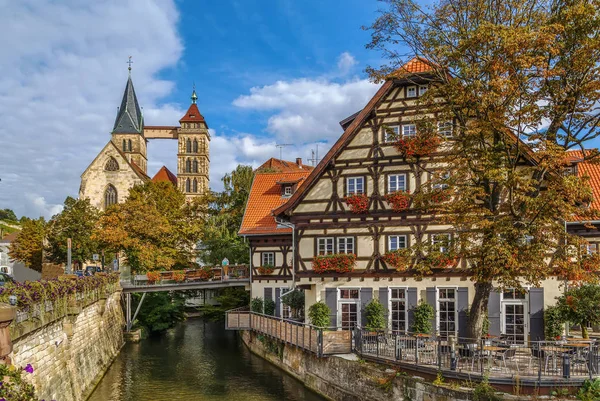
<point>70,355</point>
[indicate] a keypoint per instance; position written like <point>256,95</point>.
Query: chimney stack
<point>299,161</point>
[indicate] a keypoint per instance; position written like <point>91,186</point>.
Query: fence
<point>317,340</point>
<point>494,358</point>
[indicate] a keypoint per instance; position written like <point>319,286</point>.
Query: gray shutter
<point>411,304</point>
<point>462,305</point>
<point>430,295</point>
<point>331,301</point>
<point>277,302</point>
<point>383,299</point>
<point>494,313</point>
<point>366,295</point>
<point>536,314</point>
<point>268,293</point>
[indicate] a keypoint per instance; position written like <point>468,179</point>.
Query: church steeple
<point>129,117</point>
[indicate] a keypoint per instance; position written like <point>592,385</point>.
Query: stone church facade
<point>123,162</point>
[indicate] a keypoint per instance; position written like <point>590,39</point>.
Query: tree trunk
<point>478,311</point>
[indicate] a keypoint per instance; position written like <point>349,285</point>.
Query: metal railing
<point>494,357</point>
<point>317,340</point>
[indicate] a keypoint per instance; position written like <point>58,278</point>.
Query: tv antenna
<point>280,147</point>
<point>314,156</point>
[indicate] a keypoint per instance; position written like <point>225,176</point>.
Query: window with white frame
<point>349,308</point>
<point>447,315</point>
<point>396,182</point>
<point>398,310</point>
<point>392,133</point>
<point>325,246</point>
<point>512,293</point>
<point>287,190</point>
<point>441,183</point>
<point>411,91</point>
<point>445,129</point>
<point>441,242</point>
<point>422,89</point>
<point>589,249</point>
<point>355,185</point>
<point>396,242</point>
<point>268,259</point>
<point>345,245</point>
<point>409,130</point>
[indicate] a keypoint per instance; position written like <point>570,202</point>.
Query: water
<point>197,360</point>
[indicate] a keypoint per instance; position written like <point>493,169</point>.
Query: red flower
<point>399,200</point>
<point>400,259</point>
<point>339,263</point>
<point>265,270</point>
<point>417,146</point>
<point>358,203</point>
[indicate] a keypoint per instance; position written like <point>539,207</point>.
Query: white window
<point>348,308</point>
<point>411,91</point>
<point>393,135</point>
<point>345,245</point>
<point>446,312</point>
<point>287,190</point>
<point>441,184</point>
<point>325,246</point>
<point>445,129</point>
<point>422,89</point>
<point>398,310</point>
<point>355,185</point>
<point>396,182</point>
<point>268,259</point>
<point>441,242</point>
<point>409,130</point>
<point>396,242</point>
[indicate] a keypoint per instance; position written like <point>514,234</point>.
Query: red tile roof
<point>265,195</point>
<point>192,115</point>
<point>274,165</point>
<point>164,174</point>
<point>592,170</point>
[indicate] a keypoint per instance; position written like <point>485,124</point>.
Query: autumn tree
<point>77,221</point>
<point>224,218</point>
<point>28,246</point>
<point>519,81</point>
<point>155,227</point>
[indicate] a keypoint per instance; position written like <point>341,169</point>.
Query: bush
<point>485,392</point>
<point>590,391</point>
<point>423,314</point>
<point>160,310</point>
<point>318,314</point>
<point>553,322</point>
<point>295,300</point>
<point>375,314</point>
<point>269,305</point>
<point>256,305</point>
<point>14,386</point>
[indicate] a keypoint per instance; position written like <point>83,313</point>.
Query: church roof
<point>165,175</point>
<point>129,117</point>
<point>192,115</point>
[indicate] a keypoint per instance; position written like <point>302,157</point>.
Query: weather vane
<point>129,62</point>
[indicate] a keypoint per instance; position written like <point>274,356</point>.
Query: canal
<point>197,360</point>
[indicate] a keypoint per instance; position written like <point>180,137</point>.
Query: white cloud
<point>63,75</point>
<point>345,62</point>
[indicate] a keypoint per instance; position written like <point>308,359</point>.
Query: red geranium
<point>417,146</point>
<point>399,200</point>
<point>339,263</point>
<point>266,269</point>
<point>358,203</point>
<point>399,259</point>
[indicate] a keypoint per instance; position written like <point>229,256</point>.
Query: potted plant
<point>399,259</point>
<point>269,307</point>
<point>398,200</point>
<point>256,305</point>
<point>318,314</point>
<point>417,146</point>
<point>553,322</point>
<point>153,277</point>
<point>338,263</point>
<point>266,269</point>
<point>423,313</point>
<point>375,316</point>
<point>358,203</point>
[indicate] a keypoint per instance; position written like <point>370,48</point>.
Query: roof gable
<point>165,175</point>
<point>129,117</point>
<point>123,161</point>
<point>192,115</point>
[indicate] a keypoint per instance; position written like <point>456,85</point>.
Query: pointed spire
<point>129,116</point>
<point>194,96</point>
<point>193,114</point>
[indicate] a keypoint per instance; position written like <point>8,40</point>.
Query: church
<point>123,162</point>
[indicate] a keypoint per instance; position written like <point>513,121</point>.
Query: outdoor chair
<point>508,354</point>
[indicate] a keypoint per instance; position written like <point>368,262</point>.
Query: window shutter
<point>331,301</point>
<point>277,302</point>
<point>536,314</point>
<point>430,296</point>
<point>494,313</point>
<point>383,298</point>
<point>268,293</point>
<point>462,305</point>
<point>411,303</point>
<point>366,295</point>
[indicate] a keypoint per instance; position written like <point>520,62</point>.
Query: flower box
<point>400,259</point>
<point>263,270</point>
<point>358,203</point>
<point>338,263</point>
<point>153,277</point>
<point>399,200</point>
<point>441,260</point>
<point>417,146</point>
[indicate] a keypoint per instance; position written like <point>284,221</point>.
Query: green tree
<point>8,215</point>
<point>77,221</point>
<point>423,314</point>
<point>295,300</point>
<point>319,314</point>
<point>226,299</point>
<point>375,314</point>
<point>553,322</point>
<point>579,305</point>
<point>160,310</point>
<point>503,71</point>
<point>269,306</point>
<point>256,305</point>
<point>28,246</point>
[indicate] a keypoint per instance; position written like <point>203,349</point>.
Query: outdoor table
<point>554,351</point>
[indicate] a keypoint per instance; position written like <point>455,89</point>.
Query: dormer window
<point>287,190</point>
<point>422,90</point>
<point>411,91</point>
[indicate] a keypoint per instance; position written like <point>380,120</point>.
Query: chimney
<point>299,161</point>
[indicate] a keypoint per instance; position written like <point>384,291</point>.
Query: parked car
<point>5,278</point>
<point>79,273</point>
<point>91,270</point>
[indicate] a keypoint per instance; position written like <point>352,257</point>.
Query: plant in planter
<point>318,314</point>
<point>295,300</point>
<point>553,323</point>
<point>440,260</point>
<point>338,262</point>
<point>266,269</point>
<point>269,306</point>
<point>179,275</point>
<point>423,314</point>
<point>153,277</point>
<point>399,259</point>
<point>256,305</point>
<point>375,314</point>
<point>398,200</point>
<point>358,203</point>
<point>417,146</point>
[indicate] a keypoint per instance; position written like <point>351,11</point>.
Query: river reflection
<point>198,360</point>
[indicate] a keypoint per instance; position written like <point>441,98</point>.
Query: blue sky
<point>266,72</point>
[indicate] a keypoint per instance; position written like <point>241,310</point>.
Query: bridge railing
<point>317,340</point>
<point>169,277</point>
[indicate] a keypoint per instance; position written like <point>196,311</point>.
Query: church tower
<point>128,131</point>
<point>192,154</point>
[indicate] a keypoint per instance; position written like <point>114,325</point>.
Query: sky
<point>266,72</point>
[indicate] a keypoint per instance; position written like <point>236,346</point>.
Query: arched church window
<point>188,146</point>
<point>195,187</point>
<point>195,146</point>
<point>195,166</point>
<point>188,166</point>
<point>130,145</point>
<point>110,196</point>
<point>124,145</point>
<point>187,185</point>
<point>111,165</point>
